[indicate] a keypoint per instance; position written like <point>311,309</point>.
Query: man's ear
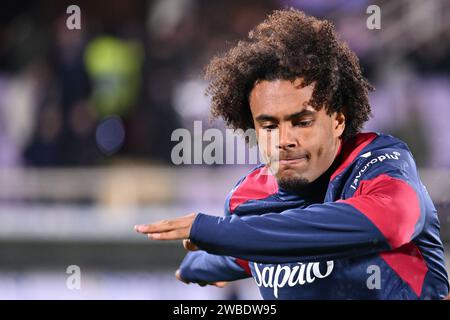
<point>339,123</point>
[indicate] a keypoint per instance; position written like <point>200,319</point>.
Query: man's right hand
<point>219,284</point>
<point>189,245</point>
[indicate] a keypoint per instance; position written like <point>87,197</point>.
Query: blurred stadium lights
<point>110,135</point>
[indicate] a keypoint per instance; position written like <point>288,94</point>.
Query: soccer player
<point>337,214</point>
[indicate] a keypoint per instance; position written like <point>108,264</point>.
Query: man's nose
<point>286,138</point>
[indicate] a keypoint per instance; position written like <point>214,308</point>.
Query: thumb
<point>189,245</point>
<point>220,284</point>
<point>178,276</point>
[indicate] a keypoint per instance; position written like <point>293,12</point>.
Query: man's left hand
<point>175,229</point>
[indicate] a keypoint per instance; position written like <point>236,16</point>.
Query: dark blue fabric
<point>311,247</point>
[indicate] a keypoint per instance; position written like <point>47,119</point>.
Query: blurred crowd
<point>142,61</point>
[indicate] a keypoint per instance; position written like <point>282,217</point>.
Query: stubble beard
<point>293,184</point>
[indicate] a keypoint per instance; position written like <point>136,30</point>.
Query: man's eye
<point>304,123</point>
<point>269,128</point>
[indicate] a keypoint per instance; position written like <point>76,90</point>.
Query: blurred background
<point>86,117</point>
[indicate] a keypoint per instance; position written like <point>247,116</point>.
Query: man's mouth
<point>291,161</point>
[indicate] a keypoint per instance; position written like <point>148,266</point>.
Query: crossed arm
<point>176,229</point>
<point>383,215</point>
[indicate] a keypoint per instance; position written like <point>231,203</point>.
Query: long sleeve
<point>201,266</point>
<point>383,213</point>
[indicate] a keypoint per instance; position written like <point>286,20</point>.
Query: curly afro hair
<point>287,45</point>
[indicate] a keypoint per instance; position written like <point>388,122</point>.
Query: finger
<point>157,227</point>
<point>165,225</point>
<point>178,234</point>
<point>220,284</point>
<point>189,245</point>
<point>178,276</point>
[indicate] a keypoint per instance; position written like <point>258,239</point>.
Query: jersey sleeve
<point>382,211</point>
<point>199,266</point>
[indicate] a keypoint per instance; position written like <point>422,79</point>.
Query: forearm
<point>384,213</point>
<point>200,266</point>
<point>292,236</point>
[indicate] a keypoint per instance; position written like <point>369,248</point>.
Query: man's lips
<point>292,160</point>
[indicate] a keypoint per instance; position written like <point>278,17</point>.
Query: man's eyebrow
<point>266,117</point>
<point>299,114</point>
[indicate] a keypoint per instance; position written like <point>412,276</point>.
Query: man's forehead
<point>280,91</point>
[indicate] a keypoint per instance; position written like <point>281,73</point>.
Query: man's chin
<point>292,184</point>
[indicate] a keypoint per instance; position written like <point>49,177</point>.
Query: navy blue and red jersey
<point>366,229</point>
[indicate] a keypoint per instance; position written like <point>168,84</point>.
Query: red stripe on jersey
<point>350,149</point>
<point>259,184</point>
<point>409,264</point>
<point>391,205</point>
<point>244,265</point>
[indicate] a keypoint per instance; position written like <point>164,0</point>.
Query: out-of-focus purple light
<point>110,135</point>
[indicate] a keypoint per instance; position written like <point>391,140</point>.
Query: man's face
<point>306,141</point>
